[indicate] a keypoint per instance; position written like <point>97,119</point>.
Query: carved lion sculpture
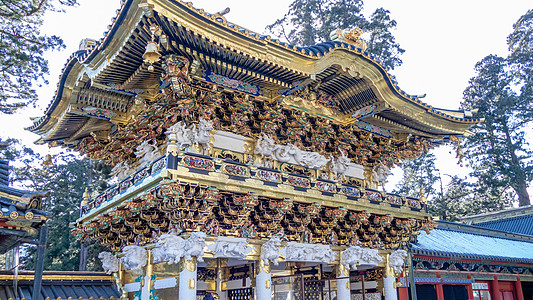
<point>370,257</point>
<point>396,260</point>
<point>135,257</point>
<point>109,262</point>
<point>169,248</point>
<point>203,137</point>
<point>194,246</point>
<point>351,256</point>
<point>270,250</point>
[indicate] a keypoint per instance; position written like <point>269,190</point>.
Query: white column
<point>389,290</point>
<point>263,281</point>
<point>145,288</point>
<point>187,280</point>
<point>221,284</point>
<point>343,283</point>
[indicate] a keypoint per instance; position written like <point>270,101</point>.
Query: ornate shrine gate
<point>239,158</point>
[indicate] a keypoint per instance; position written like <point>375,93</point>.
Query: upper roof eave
<point>224,34</point>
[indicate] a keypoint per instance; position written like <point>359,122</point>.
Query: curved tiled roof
<point>311,52</point>
<point>520,225</point>
<point>462,241</point>
<point>79,285</point>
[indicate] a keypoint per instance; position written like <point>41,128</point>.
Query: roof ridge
<point>484,231</point>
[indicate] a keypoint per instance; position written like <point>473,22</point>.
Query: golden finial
<point>423,198</point>
<point>85,198</point>
<point>48,163</point>
<point>350,36</point>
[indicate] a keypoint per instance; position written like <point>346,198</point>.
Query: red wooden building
<point>458,261</point>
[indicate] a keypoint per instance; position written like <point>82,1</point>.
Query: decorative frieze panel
<point>175,206</point>
<point>478,267</point>
<point>228,247</point>
<point>309,252</point>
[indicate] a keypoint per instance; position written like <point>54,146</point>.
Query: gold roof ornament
<point>152,55</point>
<point>86,197</point>
<point>350,36</point>
<point>48,163</point>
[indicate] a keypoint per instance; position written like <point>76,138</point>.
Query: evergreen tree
<point>419,178</point>
<point>21,50</point>
<point>381,42</point>
<point>520,43</point>
<point>309,22</point>
<point>498,151</point>
<point>461,198</point>
<point>65,177</point>
<point>457,198</point>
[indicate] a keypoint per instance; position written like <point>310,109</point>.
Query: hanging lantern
<point>152,55</point>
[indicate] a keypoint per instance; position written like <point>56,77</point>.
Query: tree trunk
<point>84,249</point>
<point>523,195</point>
<point>520,185</point>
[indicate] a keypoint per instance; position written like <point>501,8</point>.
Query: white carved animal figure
<point>396,260</point>
<point>170,248</point>
<point>135,257</point>
<point>184,135</point>
<point>283,153</point>
<point>203,136</point>
<point>370,257</point>
<point>380,174</point>
<point>313,160</point>
<point>270,250</point>
<point>194,246</point>
<point>109,262</point>
<point>309,252</point>
<point>326,255</point>
<point>351,257</point>
<point>147,152</point>
<point>339,166</point>
<point>230,248</point>
<point>121,170</point>
<point>264,146</point>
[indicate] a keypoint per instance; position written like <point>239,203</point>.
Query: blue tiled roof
<point>453,242</point>
<point>92,286</point>
<point>520,225</point>
<point>4,172</point>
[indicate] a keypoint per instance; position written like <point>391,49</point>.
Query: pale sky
<point>443,41</point>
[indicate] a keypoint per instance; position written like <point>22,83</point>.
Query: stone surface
<point>229,247</point>
<point>309,252</point>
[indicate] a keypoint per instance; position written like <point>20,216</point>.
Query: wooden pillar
<point>403,292</point>
<point>440,291</point>
<point>469,288</point>
<point>518,288</point>
<point>39,265</point>
<point>412,284</point>
<point>495,289</point>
